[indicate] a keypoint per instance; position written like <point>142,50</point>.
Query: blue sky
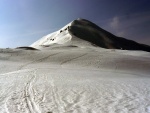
<point>22,22</point>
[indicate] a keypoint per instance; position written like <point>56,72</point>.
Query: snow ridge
<point>59,37</point>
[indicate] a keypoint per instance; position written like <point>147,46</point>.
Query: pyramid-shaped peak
<point>87,31</point>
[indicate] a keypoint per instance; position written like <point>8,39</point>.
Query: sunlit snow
<point>69,75</point>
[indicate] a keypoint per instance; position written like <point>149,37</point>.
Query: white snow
<point>74,80</point>
<point>69,75</point>
<point>59,37</point>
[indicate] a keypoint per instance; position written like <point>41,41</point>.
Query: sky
<point>23,22</point>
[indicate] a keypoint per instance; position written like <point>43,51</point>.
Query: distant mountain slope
<point>81,31</point>
<point>89,31</point>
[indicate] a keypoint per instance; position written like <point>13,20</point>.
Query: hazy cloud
<point>115,26</point>
<point>115,23</point>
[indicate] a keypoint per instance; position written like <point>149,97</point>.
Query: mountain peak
<point>82,32</point>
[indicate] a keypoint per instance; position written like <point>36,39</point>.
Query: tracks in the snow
<point>38,60</point>
<point>73,58</point>
<point>29,96</point>
<point>31,100</point>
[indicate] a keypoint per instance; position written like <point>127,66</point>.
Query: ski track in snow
<point>56,97</point>
<point>38,60</point>
<point>29,96</point>
<point>23,101</point>
<point>56,89</point>
<point>73,58</point>
<point>80,99</point>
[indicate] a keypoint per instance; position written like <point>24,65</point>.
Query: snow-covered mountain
<point>83,32</point>
<point>65,72</point>
<point>61,37</point>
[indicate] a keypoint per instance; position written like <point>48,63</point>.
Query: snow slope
<point>60,37</point>
<point>74,80</point>
<point>70,75</point>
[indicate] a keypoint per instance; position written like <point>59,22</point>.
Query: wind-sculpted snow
<point>74,79</point>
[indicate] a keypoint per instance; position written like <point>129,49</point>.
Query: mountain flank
<point>89,31</point>
<point>82,32</point>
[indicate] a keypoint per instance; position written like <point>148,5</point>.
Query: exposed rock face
<point>89,31</point>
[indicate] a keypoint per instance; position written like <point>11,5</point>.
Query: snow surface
<point>74,80</point>
<point>60,37</point>
<point>69,75</point>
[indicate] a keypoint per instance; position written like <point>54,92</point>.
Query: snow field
<point>74,80</point>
